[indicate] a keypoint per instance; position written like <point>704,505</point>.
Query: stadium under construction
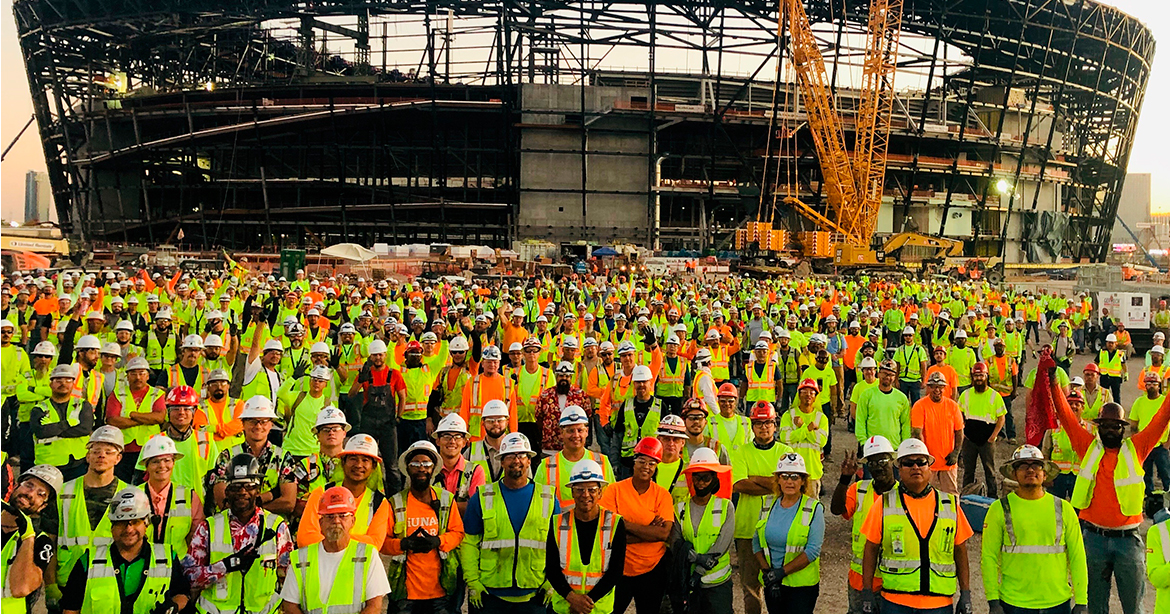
<point>253,123</point>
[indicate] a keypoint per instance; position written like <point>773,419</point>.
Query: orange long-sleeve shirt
<point>423,568</point>
<point>367,528</point>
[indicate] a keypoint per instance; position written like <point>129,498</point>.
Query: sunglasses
<point>790,476</point>
<point>914,462</point>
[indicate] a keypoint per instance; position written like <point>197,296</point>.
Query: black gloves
<point>241,560</point>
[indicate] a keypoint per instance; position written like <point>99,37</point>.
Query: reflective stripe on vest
<point>1012,545</point>
<point>905,554</point>
<point>710,525</point>
<point>796,541</point>
<point>1128,478</point>
<point>761,387</point>
<point>582,577</point>
<point>102,586</point>
<point>347,583</point>
<point>253,592</point>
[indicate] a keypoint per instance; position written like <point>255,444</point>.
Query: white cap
<point>495,408</point>
<point>642,373</point>
<point>44,348</point>
<point>258,407</point>
<point>159,445</point>
<point>1157,349</point>
<point>909,330</point>
<point>111,348</point>
<point>273,345</point>
<point>319,347</point>
<point>60,371</point>
<point>585,472</point>
<point>377,346</point>
<point>876,445</point>
<point>88,342</point>
<point>515,347</point>
<point>573,414</point>
<point>913,447</point>
<point>129,504</point>
<point>515,443</point>
<point>791,463</point>
<point>331,415</point>
<point>452,423</point>
<point>194,342</point>
<point>107,434</point>
<point>124,325</point>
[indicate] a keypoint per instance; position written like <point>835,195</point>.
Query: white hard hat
<point>194,342</point>
<point>671,339</point>
<point>909,330</point>
<point>130,504</point>
<point>319,347</point>
<point>516,443</point>
<point>491,352</point>
<point>784,334</point>
<point>672,425</point>
<point>791,463</point>
<point>423,446</point>
<point>564,368</point>
<point>107,434</point>
<point>495,408</point>
<point>126,325</point>
<point>712,334</point>
<point>1157,349</point>
<point>1077,381</point>
<point>458,344</point>
<point>44,348</point>
<point>273,345</point>
<point>363,445</point>
<point>518,313</point>
<point>703,456</point>
<point>913,447</point>
<point>377,346</point>
<point>641,373</point>
<point>1027,453</point>
<point>626,347</point>
<point>876,445</point>
<point>452,423</point>
<point>573,414</point>
<point>347,328</point>
<point>321,372</point>
<point>213,341</point>
<point>6,323</point>
<point>95,315</point>
<point>331,415</point>
<point>571,342</point>
<point>88,342</point>
<point>159,445</point>
<point>586,471</point>
<point>868,363</point>
<point>855,324</point>
<point>1110,337</point>
<point>48,474</point>
<point>516,346</point>
<point>960,334</point>
<point>163,314</point>
<point>259,408</point>
<point>703,355</point>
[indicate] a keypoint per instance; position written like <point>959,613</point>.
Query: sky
<point>16,108</point>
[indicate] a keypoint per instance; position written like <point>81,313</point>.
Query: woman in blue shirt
<point>788,542</point>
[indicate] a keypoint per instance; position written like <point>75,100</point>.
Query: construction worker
<point>804,428</point>
<point>174,508</point>
<point>61,425</point>
<point>751,475</point>
<point>586,547</point>
<point>356,581</point>
<point>419,380</point>
<point>506,530</point>
<point>852,500</point>
<point>15,360</point>
<point>278,493</point>
<point>788,539</point>
<point>426,529</point>
<point>195,448</point>
<point>912,361</point>
<point>1158,559</point>
<point>866,378</point>
<point>884,410</point>
<point>298,406</point>
<point>703,384</point>
<point>456,474</point>
<point>324,466</point>
<point>555,470</point>
<point>34,497</point>
<point>486,451</point>
<point>360,464</point>
<point>962,358</point>
<point>762,375</point>
<point>238,557</point>
<point>672,434</point>
<point>531,378</point>
<point>1057,447</point>
<point>731,428</point>
<point>189,370</point>
<point>130,571</point>
<point>699,435</point>
<point>937,420</point>
<point>787,368</point>
<point>82,503</point>
<point>489,385</point>
<point>673,377</point>
<point>1032,544</point>
<point>706,521</point>
<point>638,417</point>
<point>983,418</point>
<point>1140,414</point>
<point>138,409</point>
<point>34,387</point>
<point>1111,362</point>
<point>20,574</point>
<point>222,411</point>
<point>1003,375</point>
<point>1096,395</point>
<point>916,537</point>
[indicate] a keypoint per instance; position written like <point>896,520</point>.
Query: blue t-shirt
<point>776,532</point>
<point>516,501</point>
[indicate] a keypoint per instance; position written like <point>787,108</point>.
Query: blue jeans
<point>1062,485</point>
<point>1159,458</point>
<point>1063,608</point>
<point>888,607</point>
<point>912,390</point>
<point>1120,557</point>
<point>605,441</point>
<point>495,605</point>
<point>1079,339</point>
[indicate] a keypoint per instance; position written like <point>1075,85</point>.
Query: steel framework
<point>270,122</point>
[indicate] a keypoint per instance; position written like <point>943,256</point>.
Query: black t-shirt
<point>97,501</point>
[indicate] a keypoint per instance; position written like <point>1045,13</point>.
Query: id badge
<point>897,543</point>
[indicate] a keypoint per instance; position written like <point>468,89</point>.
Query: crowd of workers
<point>229,442</point>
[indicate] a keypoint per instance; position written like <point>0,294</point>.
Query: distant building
<point>1134,207</point>
<point>38,197</point>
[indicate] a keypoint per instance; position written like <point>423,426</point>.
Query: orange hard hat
<point>650,446</point>
<point>763,410</point>
<point>336,500</point>
<point>1092,368</point>
<point>728,390</point>
<point>979,367</point>
<point>808,382</point>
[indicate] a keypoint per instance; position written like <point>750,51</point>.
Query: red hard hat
<point>728,390</point>
<point>763,410</point>
<point>808,382</point>
<point>184,396</point>
<point>650,446</point>
<point>336,500</point>
<point>979,367</point>
<point>414,346</point>
<point>1092,368</point>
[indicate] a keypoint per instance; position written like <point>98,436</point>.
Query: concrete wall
<point>617,167</point>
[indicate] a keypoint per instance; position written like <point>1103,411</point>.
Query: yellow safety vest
<point>74,535</point>
<point>912,564</point>
<point>528,388</point>
<point>797,539</point>
<point>866,497</point>
<point>60,451</point>
<point>474,424</point>
<point>10,604</point>
<point>1110,365</point>
<point>102,586</point>
<point>761,387</point>
<point>452,393</point>
<point>710,524</point>
<point>175,524</point>
<point>1128,478</point>
<point>631,433</point>
<point>419,383</point>
<point>719,360</point>
<point>508,559</point>
<point>582,577</point>
<point>556,469</point>
<point>138,434</point>
<point>347,595</point>
<point>671,382</point>
<point>253,592</point>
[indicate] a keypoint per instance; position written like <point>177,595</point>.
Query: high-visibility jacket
<point>910,564</point>
<point>910,359</point>
<point>88,386</point>
<point>528,388</point>
<point>348,592</point>
<point>583,577</point>
<point>475,413</point>
<point>199,454</point>
<point>1063,454</point>
<point>175,377</point>
<point>789,364</point>
<point>671,382</point>
<point>962,359</point>
<point>138,434</point>
<point>866,497</point>
<point>350,356</point>
<point>160,354</point>
<point>174,524</point>
<point>797,540</point>
<point>508,559</point>
<point>555,471</point>
<point>265,384</point>
<point>719,363</point>
<point>710,524</point>
<point>1158,564</point>
<point>251,592</point>
<point>631,431</point>
<point>74,534</point>
<point>60,451</point>
<point>1110,365</point>
<point>103,587</point>
<point>1128,477</point>
<point>419,383</point>
<point>999,374</point>
<point>452,388</point>
<point>396,568</point>
<point>761,387</point>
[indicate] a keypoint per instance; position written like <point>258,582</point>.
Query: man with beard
<point>556,469</point>
<point>501,578</point>
<point>698,435</point>
<point>190,370</point>
<point>348,358</point>
<point>486,451</point>
<point>1108,494</point>
<point>174,508</point>
<point>61,424</point>
<point>638,417</point>
<point>261,375</point>
<point>360,464</point>
<point>139,410</point>
<point>453,377</point>
<point>221,410</point>
<point>552,402</point>
<point>707,523</point>
<point>983,417</point>
<point>337,573</point>
<point>238,556</point>
<point>530,379</point>
<point>382,391</point>
<point>36,491</point>
<point>419,380</point>
<point>486,387</point>
<point>426,525</point>
<point>194,446</point>
<point>852,501</point>
<point>161,343</point>
<point>35,387</point>
<point>129,571</point>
